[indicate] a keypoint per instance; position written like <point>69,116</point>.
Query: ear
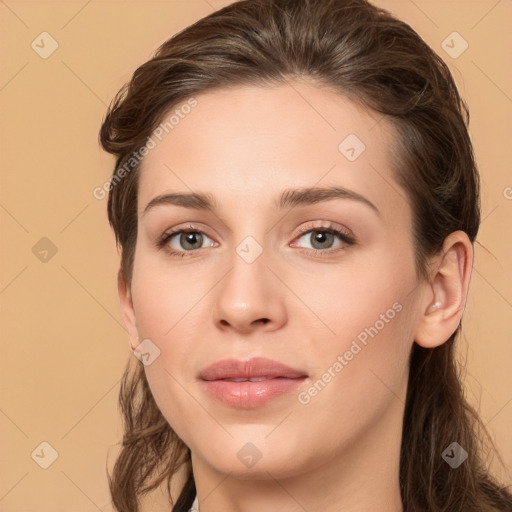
<point>127,309</point>
<point>446,291</point>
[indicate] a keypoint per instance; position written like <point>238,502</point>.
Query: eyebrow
<point>288,198</point>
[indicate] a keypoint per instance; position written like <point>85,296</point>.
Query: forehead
<point>247,142</point>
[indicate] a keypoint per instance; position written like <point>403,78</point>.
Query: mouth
<point>249,384</point>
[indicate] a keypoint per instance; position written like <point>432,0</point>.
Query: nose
<point>249,297</point>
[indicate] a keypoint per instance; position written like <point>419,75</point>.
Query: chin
<point>252,461</point>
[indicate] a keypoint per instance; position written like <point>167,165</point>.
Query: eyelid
<point>328,225</point>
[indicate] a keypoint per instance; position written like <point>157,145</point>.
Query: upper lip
<point>255,367</point>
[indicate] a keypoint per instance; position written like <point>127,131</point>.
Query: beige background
<point>63,344</point>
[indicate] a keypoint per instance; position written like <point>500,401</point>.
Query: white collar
<point>195,505</point>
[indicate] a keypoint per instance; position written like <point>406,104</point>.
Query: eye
<point>324,239</point>
<point>184,240</point>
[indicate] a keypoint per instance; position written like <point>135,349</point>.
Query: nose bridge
<point>247,280</point>
<point>247,294</point>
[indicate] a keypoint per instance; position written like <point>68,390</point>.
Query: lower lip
<point>249,394</point>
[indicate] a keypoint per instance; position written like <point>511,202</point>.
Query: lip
<point>255,367</point>
<point>278,379</point>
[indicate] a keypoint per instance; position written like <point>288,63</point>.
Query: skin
<point>244,146</point>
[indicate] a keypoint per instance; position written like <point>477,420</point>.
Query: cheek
<point>360,374</point>
<point>372,332</point>
<point>165,313</point>
<point>169,312</point>
<point>363,298</point>
<point>368,315</point>
<point>165,299</point>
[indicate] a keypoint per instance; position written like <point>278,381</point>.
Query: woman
<point>299,353</point>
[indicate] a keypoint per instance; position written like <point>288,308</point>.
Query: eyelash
<point>330,229</point>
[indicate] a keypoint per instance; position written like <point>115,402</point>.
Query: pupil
<point>321,237</point>
<point>191,238</point>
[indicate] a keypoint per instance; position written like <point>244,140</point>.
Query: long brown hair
<point>363,52</point>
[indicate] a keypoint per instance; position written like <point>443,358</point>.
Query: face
<point>322,282</point>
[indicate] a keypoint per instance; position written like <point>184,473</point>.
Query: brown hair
<point>363,52</point>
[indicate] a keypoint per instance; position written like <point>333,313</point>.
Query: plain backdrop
<point>64,347</point>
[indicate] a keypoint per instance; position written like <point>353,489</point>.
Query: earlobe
<point>446,291</point>
<point>127,309</point>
